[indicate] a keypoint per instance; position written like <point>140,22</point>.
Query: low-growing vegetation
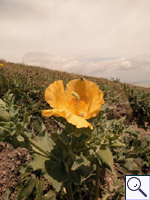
<point>115,148</point>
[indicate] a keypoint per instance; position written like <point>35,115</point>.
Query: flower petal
<point>69,116</point>
<point>95,104</point>
<point>89,93</point>
<point>55,112</point>
<point>55,95</point>
<point>78,121</point>
<point>82,88</point>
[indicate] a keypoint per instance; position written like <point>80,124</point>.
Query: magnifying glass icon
<point>134,184</point>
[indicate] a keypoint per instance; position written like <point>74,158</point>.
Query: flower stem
<point>38,147</point>
<point>69,191</point>
<point>74,140</point>
<point>97,181</point>
<point>81,150</point>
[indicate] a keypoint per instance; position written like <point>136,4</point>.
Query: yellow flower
<point>80,101</point>
<point>1,64</point>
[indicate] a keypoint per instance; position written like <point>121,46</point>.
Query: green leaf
<point>139,161</point>
<point>6,197</point>
<point>39,158</point>
<point>49,196</point>
<point>96,140</point>
<point>40,186</point>
<point>79,142</point>
<point>56,170</point>
<point>4,115</point>
<point>121,159</point>
<point>22,168</point>
<point>3,105</point>
<point>9,97</point>
<point>40,161</point>
<point>6,125</point>
<point>106,109</point>
<point>112,137</point>
<point>81,166</point>
<point>4,132</point>
<point>65,137</point>
<point>74,177</point>
<point>13,111</point>
<point>26,119</point>
<point>146,149</point>
<point>117,144</point>
<point>122,119</point>
<point>27,189</point>
<point>90,155</point>
<point>19,129</point>
<point>84,170</point>
<point>131,165</point>
<point>59,141</point>
<point>16,142</point>
<point>106,157</point>
<point>57,185</point>
<point>55,173</point>
<point>79,131</point>
<point>80,160</point>
<point>45,141</point>
<point>69,128</point>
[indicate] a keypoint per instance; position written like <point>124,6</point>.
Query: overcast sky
<point>92,37</point>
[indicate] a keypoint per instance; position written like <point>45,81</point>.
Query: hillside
<point>28,84</point>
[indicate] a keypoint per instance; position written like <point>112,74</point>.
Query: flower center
<point>77,106</point>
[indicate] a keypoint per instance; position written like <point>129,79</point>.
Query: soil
<point>10,160</point>
<point>121,110</point>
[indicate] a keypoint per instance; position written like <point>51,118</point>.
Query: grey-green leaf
<point>106,157</point>
<point>131,165</point>
<point>27,188</point>
<point>4,116</point>
<point>40,186</point>
<point>117,144</point>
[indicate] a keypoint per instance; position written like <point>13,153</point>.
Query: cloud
<point>135,62</point>
<point>132,68</point>
<point>96,29</point>
<point>68,63</point>
<point>14,9</point>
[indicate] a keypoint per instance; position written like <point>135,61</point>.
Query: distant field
<point>142,83</point>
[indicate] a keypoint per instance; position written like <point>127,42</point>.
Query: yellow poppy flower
<point>81,100</point>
